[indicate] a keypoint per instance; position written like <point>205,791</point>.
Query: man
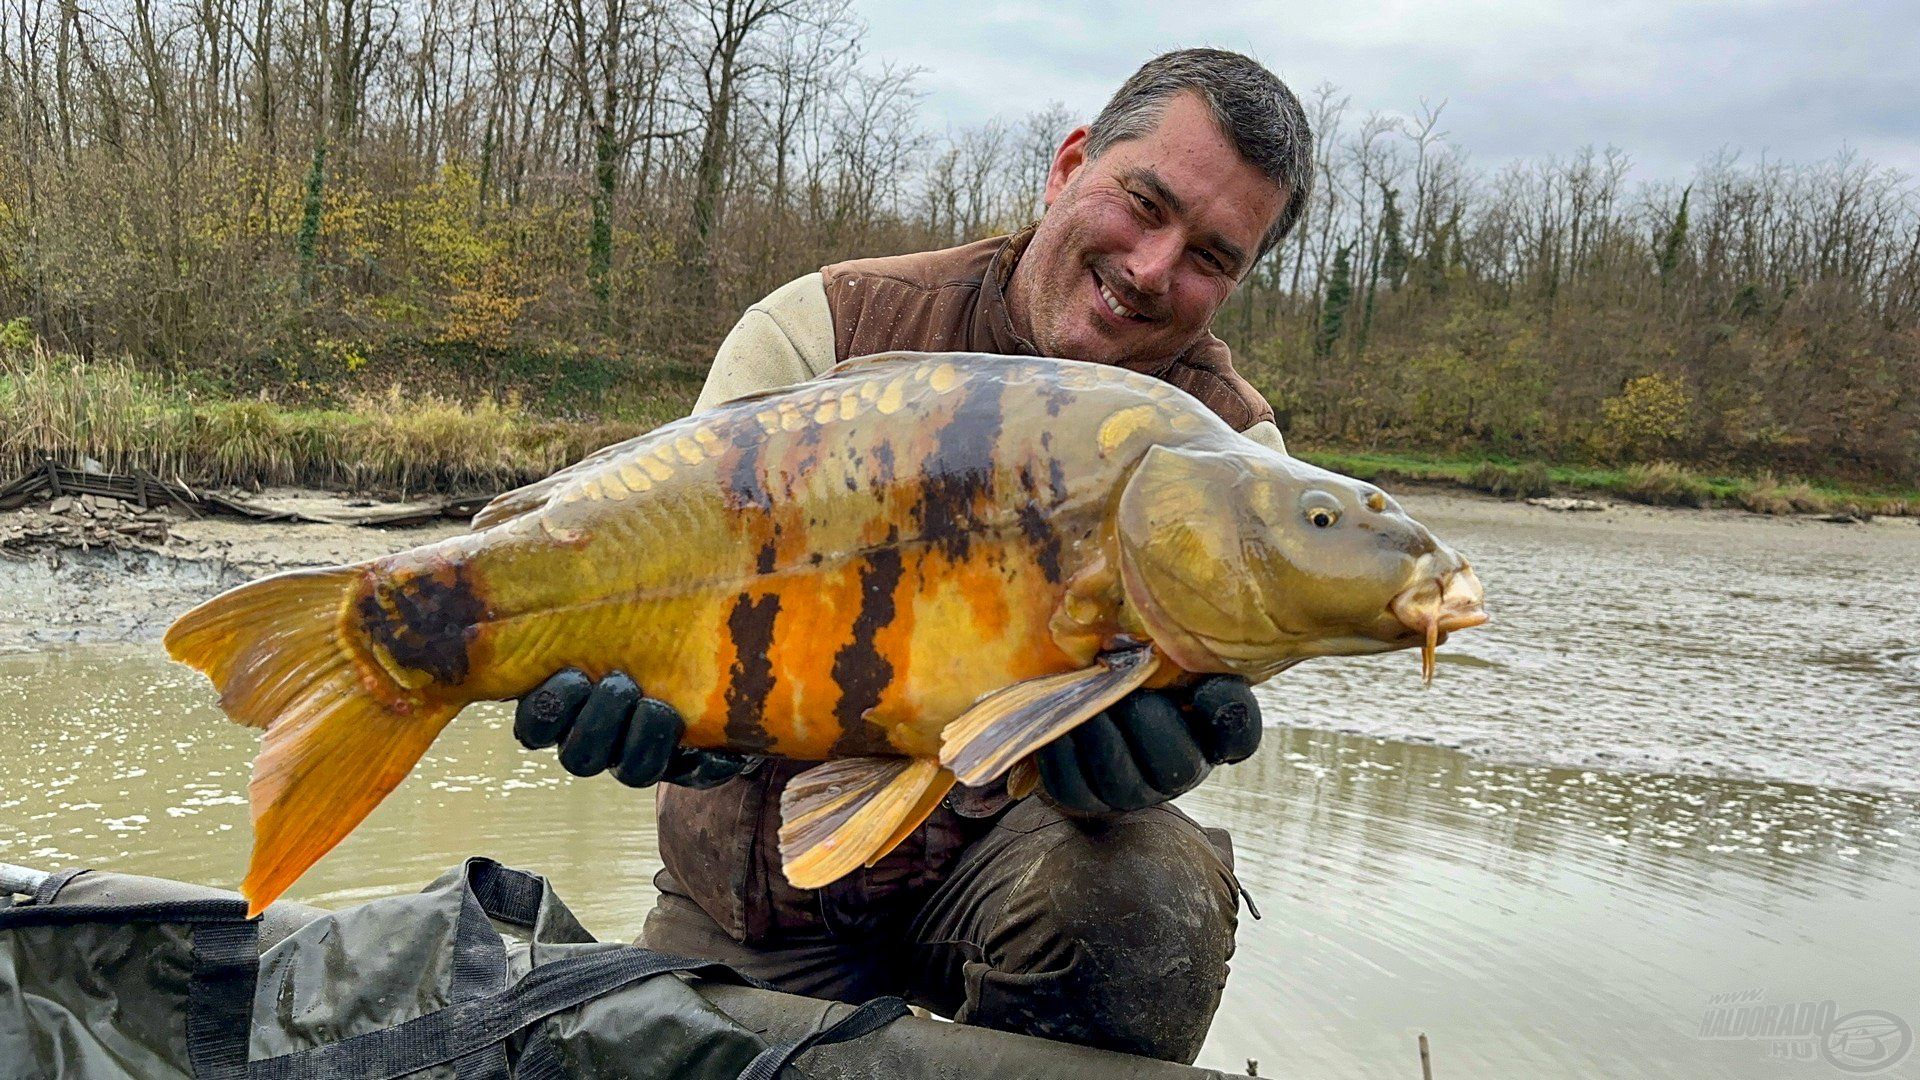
<point>1095,913</point>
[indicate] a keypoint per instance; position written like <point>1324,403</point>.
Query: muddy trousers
<point>1113,934</point>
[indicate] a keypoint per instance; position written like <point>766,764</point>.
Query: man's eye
<point>1213,261</point>
<point>1142,201</point>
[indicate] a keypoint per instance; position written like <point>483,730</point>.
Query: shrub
<point>16,335</point>
<point>1529,481</point>
<point>1767,495</point>
<point>1648,417</point>
<point>1663,483</point>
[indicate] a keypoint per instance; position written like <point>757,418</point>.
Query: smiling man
<point>1155,212</point>
<point>1096,914</point>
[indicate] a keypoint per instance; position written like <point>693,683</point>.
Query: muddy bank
<point>57,593</point>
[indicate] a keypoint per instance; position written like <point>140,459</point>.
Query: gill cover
<point>1188,533</point>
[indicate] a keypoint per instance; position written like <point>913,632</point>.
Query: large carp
<point>922,566</point>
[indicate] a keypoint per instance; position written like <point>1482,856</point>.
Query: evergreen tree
<point>306,240</point>
<point>1333,310</point>
<point>1394,258</point>
<point>1675,241</point>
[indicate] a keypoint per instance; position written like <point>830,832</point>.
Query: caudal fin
<point>333,749</point>
<point>837,817</point>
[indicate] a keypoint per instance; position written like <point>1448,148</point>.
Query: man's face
<point>1141,246</point>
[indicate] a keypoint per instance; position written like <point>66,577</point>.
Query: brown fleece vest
<point>955,301</point>
<point>721,846</point>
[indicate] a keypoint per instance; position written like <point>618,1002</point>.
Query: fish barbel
<point>919,568</point>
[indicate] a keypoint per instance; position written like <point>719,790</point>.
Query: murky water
<point>1538,904</point>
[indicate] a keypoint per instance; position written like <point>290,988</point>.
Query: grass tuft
<point>1768,495</point>
<point>1663,483</point>
<point>1530,481</point>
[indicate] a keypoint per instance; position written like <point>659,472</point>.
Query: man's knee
<point>1117,934</point>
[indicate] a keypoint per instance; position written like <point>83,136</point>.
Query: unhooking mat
<point>426,985</point>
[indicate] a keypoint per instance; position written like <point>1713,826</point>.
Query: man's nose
<point>1151,263</point>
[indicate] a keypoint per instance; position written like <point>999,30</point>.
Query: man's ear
<point>1066,161</point>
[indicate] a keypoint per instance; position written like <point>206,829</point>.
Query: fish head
<point>1246,561</point>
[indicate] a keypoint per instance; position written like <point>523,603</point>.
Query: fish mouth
<point>1436,606</point>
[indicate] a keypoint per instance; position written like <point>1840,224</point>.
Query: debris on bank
<point>85,522</point>
<point>87,567</point>
<point>57,506</point>
<point>1568,505</point>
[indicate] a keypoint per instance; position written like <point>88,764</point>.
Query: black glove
<point>610,723</point>
<point>1151,746</point>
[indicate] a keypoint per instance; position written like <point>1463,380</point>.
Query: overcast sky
<point>1669,82</point>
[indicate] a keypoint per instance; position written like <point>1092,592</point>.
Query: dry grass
<point>1663,483</point>
<point>1529,481</point>
<point>1768,495</point>
<point>65,408</point>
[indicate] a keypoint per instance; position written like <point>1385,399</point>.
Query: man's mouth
<point>1114,303</point>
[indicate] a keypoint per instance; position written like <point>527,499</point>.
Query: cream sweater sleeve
<point>784,339</point>
<point>1267,435</point>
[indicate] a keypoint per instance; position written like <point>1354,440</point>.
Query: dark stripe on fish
<point>959,472</point>
<point>859,669</point>
<point>424,620</point>
<point>1043,539</point>
<point>1058,397</point>
<point>744,487</point>
<point>750,680</point>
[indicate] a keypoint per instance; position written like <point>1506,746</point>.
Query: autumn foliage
<point>559,207</point>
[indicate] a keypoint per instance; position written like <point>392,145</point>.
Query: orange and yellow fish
<point>919,568</point>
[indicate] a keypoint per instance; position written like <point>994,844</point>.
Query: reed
<point>1529,481</point>
<point>67,409</point>
<point>1769,495</point>
<point>1663,483</point>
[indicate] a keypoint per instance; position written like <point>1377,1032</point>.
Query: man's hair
<point>1253,107</point>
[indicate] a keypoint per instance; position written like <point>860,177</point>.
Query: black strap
<point>226,961</point>
<point>479,971</point>
<point>509,895</point>
<point>51,885</point>
<point>480,955</point>
<point>864,1020</point>
<point>212,909</point>
<point>456,1030</point>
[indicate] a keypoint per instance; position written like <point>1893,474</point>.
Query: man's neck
<point>1018,288</point>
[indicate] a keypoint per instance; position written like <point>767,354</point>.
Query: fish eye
<point>1321,510</point>
<point>1377,502</point>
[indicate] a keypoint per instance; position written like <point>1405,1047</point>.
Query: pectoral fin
<point>1007,725</point>
<point>837,817</point>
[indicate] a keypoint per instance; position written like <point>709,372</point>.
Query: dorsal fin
<point>525,500</point>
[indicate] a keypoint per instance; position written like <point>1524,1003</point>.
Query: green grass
<point>1657,483</point>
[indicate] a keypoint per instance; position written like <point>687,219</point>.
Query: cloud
<point>1671,84</point>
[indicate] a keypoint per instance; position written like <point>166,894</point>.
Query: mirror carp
<point>918,569</point>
